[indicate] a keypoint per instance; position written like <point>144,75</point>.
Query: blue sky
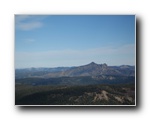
<point>73,40</point>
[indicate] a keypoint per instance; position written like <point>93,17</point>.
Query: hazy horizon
<point>71,66</point>
<point>74,40</point>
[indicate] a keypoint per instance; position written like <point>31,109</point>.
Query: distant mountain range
<point>91,69</point>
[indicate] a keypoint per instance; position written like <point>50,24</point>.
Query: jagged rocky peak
<point>93,63</point>
<point>104,65</point>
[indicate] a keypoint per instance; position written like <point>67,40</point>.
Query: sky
<point>74,40</point>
